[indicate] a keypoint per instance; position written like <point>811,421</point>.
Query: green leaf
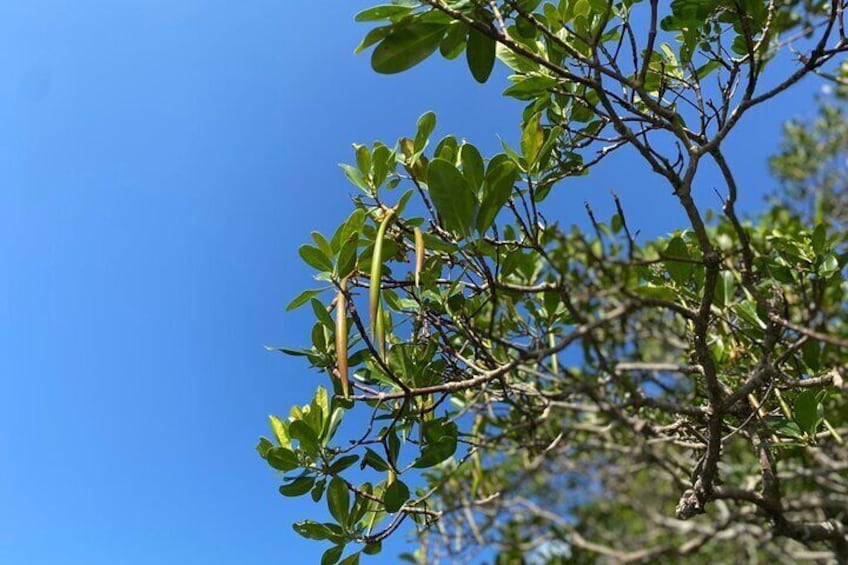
<point>312,530</point>
<point>282,459</point>
<point>829,265</point>
<point>747,310</point>
<point>532,139</point>
<point>451,195</point>
<point>318,491</point>
<point>819,239</point>
<point>374,460</point>
<point>725,288</point>
<point>811,353</point>
<point>480,54</point>
<point>407,46</point>
<point>426,125</point>
<point>361,504</point>
<point>343,463</point>
<point>441,436</point>
<point>321,314</point>
<point>372,37</point>
<point>307,437</point>
<point>454,42</point>
<point>396,494</point>
<point>806,412</point>
<point>321,405</point>
<point>335,419</point>
<point>322,243</point>
<point>303,298</point>
<point>529,88</point>
<point>515,61</point>
<point>347,257</point>
<point>298,487</point>
<point>372,548</point>
<point>352,559</point>
<point>657,292</point>
<point>679,271</point>
<point>264,447</point>
<point>332,555</point>
<point>315,258</point>
<point>381,13</point>
<point>354,175</point>
<point>786,428</point>
<point>338,500</point>
<point>501,176</point>
<point>472,165</point>
<point>281,432</point>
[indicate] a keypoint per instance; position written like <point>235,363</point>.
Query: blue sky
<point>160,163</point>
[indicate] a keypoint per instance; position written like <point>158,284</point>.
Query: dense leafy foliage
<point>565,395</point>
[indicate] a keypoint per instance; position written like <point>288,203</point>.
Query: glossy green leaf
<point>452,196</point>
<point>501,176</point>
<point>281,431</point>
<point>454,41</point>
<point>338,500</point>
<point>532,139</point>
<point>347,257</point>
<point>352,559</point>
<point>725,288</point>
<point>307,436</point>
<point>282,459</point>
<point>372,37</point>
<point>312,530</point>
<point>811,354</point>
<point>819,239</point>
<point>382,13</point>
<point>747,310</point>
<point>426,125</point>
<point>679,270</point>
<point>315,258</point>
<point>264,447</point>
<point>805,412</point>
<point>374,460</point>
<point>354,175</point>
<point>441,442</point>
<point>343,463</point>
<point>480,54</point>
<point>298,487</point>
<point>472,165</point>
<point>303,298</point>
<point>395,496</point>
<point>786,428</point>
<point>332,555</point>
<point>829,266</point>
<point>407,46</point>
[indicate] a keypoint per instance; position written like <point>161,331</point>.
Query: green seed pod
<point>377,270</point>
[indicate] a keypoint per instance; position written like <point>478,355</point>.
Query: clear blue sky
<point>160,163</point>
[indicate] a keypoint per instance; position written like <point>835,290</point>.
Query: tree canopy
<point>543,393</point>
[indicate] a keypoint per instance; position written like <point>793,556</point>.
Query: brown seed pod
<point>419,256</point>
<point>341,340</point>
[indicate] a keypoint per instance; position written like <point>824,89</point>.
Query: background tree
<point>564,396</point>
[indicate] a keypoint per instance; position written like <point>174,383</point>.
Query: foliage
<point>557,394</point>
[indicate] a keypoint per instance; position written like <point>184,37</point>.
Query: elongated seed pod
<point>377,270</point>
<point>419,256</point>
<point>341,339</point>
<point>380,330</point>
<point>554,360</point>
